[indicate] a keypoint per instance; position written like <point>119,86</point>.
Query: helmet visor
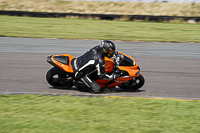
<point>110,53</point>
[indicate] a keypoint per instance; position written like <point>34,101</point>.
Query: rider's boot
<point>93,87</point>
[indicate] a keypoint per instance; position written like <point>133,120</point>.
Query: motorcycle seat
<point>62,59</point>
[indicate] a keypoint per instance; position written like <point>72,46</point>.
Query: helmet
<point>108,48</point>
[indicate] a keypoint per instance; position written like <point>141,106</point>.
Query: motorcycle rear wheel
<point>59,79</point>
<point>134,84</point>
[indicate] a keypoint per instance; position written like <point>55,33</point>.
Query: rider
<point>91,61</point>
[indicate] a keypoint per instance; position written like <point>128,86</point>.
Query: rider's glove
<point>119,58</point>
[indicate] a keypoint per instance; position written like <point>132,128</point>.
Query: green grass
<point>97,29</point>
<point>38,114</point>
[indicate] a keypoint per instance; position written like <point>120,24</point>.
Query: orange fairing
<point>65,67</point>
<point>133,71</point>
<point>117,81</point>
<point>109,65</point>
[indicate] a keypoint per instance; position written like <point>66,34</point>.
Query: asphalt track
<point>170,69</point>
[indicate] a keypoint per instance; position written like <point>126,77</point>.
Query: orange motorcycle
<point>127,73</point>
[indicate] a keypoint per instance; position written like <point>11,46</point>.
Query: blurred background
<point>124,7</point>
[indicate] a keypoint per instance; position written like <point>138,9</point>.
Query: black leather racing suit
<point>89,62</point>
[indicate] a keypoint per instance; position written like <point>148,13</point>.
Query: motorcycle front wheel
<point>134,84</point>
<point>59,79</point>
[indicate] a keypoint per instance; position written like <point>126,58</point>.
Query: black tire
<point>134,84</point>
<point>59,79</point>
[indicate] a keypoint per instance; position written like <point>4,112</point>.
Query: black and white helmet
<point>108,48</point>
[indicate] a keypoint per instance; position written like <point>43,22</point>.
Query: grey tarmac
<point>170,69</point>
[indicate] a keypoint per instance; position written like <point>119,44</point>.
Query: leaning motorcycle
<point>127,73</point>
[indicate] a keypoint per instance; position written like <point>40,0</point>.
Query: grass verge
<point>38,113</point>
<point>97,29</point>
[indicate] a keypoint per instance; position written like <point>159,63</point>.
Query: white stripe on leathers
<point>87,64</point>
